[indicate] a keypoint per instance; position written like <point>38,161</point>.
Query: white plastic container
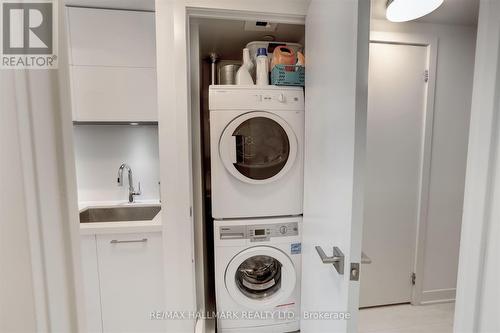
<point>243,76</point>
<point>262,72</point>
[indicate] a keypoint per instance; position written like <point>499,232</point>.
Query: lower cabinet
<point>129,286</point>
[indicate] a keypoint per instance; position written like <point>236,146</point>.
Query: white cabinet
<point>130,281</point>
<point>109,37</point>
<point>114,94</point>
<point>112,65</point>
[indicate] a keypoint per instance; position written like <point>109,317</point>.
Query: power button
<point>283,229</point>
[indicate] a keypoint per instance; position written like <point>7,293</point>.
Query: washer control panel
<point>259,232</point>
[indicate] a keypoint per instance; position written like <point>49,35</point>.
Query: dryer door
<point>260,277</point>
<point>258,147</point>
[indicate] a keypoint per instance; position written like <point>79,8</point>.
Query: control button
<point>281,98</point>
<point>283,229</point>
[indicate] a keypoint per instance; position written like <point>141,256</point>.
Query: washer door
<point>258,147</point>
<point>260,277</point>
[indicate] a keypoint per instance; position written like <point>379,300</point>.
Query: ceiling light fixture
<point>407,10</point>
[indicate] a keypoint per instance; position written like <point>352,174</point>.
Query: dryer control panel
<point>259,232</point>
<point>256,98</point>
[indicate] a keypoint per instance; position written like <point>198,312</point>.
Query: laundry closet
<point>247,121</point>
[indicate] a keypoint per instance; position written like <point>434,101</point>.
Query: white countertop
<point>120,227</point>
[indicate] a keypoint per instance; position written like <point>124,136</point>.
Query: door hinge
<point>426,75</point>
<point>413,277</point>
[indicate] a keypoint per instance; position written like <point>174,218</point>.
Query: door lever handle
<point>337,260</point>
<point>365,259</point>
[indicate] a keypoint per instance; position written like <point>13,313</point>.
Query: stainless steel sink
<point>115,214</point>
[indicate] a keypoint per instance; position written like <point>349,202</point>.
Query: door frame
<point>180,209</point>
<point>475,301</point>
<point>431,43</point>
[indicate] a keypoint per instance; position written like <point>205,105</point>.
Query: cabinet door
<point>107,37</point>
<point>131,280</point>
<point>114,94</point>
<point>113,65</point>
<point>91,283</point>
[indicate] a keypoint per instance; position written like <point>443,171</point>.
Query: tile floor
<point>406,318</point>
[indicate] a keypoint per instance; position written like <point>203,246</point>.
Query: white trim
<point>69,185</point>
<point>438,296</point>
<point>198,177</point>
<point>479,185</point>
<point>176,161</point>
<point>431,43</point>
<point>226,14</point>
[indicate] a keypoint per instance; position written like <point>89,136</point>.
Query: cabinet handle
<point>115,241</point>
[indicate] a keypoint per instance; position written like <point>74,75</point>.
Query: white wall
<point>17,304</point>
<point>455,68</point>
<point>37,275</point>
<point>101,149</point>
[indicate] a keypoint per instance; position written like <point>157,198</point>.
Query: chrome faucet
<point>131,190</point>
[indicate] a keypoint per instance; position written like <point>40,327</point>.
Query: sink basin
<point>115,214</point>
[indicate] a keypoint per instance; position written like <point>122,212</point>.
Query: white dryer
<point>257,149</point>
<point>257,274</point>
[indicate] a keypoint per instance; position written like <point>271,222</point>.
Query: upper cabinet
<point>112,65</point>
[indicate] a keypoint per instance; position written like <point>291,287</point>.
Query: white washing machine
<point>257,274</point>
<point>257,149</point>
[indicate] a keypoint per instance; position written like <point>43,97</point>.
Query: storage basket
<point>288,75</point>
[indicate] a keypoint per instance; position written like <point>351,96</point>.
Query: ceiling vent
<point>260,26</point>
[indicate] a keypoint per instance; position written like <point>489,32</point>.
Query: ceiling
<point>228,38</point>
<point>463,12</point>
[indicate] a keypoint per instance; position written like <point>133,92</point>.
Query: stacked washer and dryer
<point>257,146</point>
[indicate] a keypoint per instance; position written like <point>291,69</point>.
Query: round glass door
<point>260,277</point>
<point>258,147</point>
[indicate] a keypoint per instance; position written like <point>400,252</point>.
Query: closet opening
<point>215,49</point>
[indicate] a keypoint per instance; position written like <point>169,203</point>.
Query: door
<point>258,147</point>
<point>131,281</point>
<point>261,277</point>
<point>396,106</point>
<point>337,37</point>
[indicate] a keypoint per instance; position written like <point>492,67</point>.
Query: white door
<point>337,40</point>
<point>131,281</point>
<point>396,106</point>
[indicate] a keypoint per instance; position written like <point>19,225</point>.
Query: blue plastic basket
<point>288,75</point>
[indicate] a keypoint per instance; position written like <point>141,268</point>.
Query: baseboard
<point>438,296</point>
